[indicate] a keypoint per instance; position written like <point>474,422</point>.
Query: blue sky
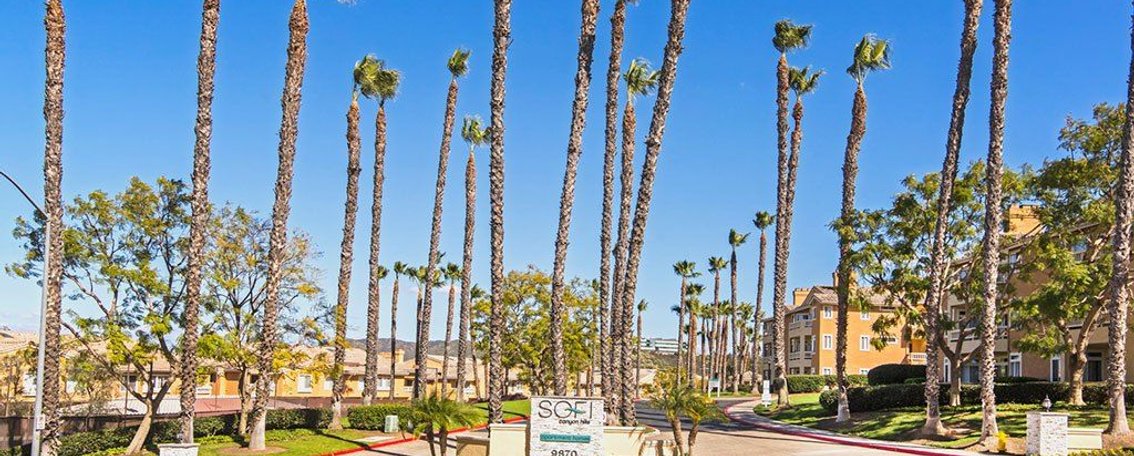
<point>130,102</point>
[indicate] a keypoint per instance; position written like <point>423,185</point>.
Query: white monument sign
<point>766,395</point>
<point>566,426</point>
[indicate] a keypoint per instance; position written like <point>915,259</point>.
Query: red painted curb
<point>386,443</point>
<point>831,439</point>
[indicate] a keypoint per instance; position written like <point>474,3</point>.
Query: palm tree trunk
<point>374,296</point>
<point>735,379</point>
<point>933,425</point>
<point>501,37</point>
<point>346,261</point>
<point>680,327</point>
<point>448,337</point>
<point>715,333</point>
<point>993,216</point>
<point>567,198</point>
<point>55,25</point>
<point>394,335</point>
<point>1119,293</point>
<point>626,177</point>
<point>757,339</point>
<point>691,357</point>
<point>463,348</point>
<point>289,131</point>
<point>779,267</point>
<point>426,311</point>
<point>844,285</point>
<point>667,76</point>
<point>638,357</point>
<point>614,69</point>
<point>203,131</point>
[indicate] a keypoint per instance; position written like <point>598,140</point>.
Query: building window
<point>807,371</point>
<point>794,343</point>
<point>826,371</point>
<point>71,386</point>
<point>827,313</point>
<point>1094,367</point>
<point>864,314</point>
<point>946,371</point>
<point>794,371</point>
<point>828,342</point>
<point>303,384</point>
<point>1056,369</point>
<point>362,384</point>
<point>863,371</point>
<point>889,340</point>
<point>329,384</point>
<point>1015,365</point>
<point>864,343</point>
<point>384,384</point>
<point>808,345</point>
<point>29,385</point>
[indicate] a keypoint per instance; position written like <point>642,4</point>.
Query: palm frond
<point>870,54</point>
<point>736,238</point>
<point>802,81</point>
<point>459,62</point>
<point>474,132</point>
<point>789,36</point>
<point>763,220</point>
<point>640,77</point>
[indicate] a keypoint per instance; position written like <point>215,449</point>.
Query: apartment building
<point>811,332</point>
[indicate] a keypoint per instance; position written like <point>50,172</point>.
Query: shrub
<point>891,374</point>
<point>81,443</point>
<point>1007,380</point>
<point>373,417</point>
<point>817,383</point>
<point>309,418</point>
<point>208,426</point>
<point>915,381</point>
<point>882,397</point>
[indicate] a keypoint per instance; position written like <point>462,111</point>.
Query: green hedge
<point>82,443</point>
<point>891,374</point>
<point>373,417</point>
<point>882,397</point>
<point>817,383</point>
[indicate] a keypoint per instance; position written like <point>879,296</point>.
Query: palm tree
<point>203,130</point>
<point>474,133</point>
<point>400,269</point>
<point>458,67</point>
<point>452,274</point>
<point>735,239</point>
<point>613,72</point>
<point>370,375</point>
<point>55,25</point>
<point>501,37</point>
<point>377,82</point>
<point>685,269</point>
<point>762,221</point>
<point>346,260</point>
<point>434,415</point>
<point>567,197</point>
<point>477,293</point>
<point>788,37</point>
<point>1120,294</point>
<point>693,308</point>
<point>933,425</point>
<point>716,265</point>
<point>289,131</point>
<point>642,304</point>
<point>1002,35</point>
<point>640,80</point>
<point>871,54</point>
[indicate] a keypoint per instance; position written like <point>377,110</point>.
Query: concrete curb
<point>388,443</point>
<point>799,431</point>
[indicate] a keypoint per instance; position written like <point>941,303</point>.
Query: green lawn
<point>902,424</point>
<point>305,442</point>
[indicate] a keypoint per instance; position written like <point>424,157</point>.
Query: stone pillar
<point>1047,434</point>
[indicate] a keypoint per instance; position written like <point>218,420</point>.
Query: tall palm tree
<point>686,270</point>
<point>501,37</point>
<point>370,375</point>
<point>870,54</point>
<point>203,132</point>
<point>375,81</point>
<point>289,132</point>
<point>452,274</point>
<point>400,269</point>
<point>640,80</point>
<point>762,221</point>
<point>1002,35</point>
<point>567,197</point>
<point>642,305</point>
<point>693,308</point>
<point>474,134</point>
<point>933,425</point>
<point>1119,293</point>
<point>735,239</point>
<point>716,265</point>
<point>346,261</point>
<point>788,37</point>
<point>55,26</point>
<point>613,72</point>
<point>458,67</point>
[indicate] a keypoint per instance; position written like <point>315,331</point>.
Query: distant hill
<point>436,347</point>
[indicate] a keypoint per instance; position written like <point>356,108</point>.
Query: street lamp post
<point>37,412</point>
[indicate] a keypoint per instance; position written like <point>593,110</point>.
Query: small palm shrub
<point>434,416</point>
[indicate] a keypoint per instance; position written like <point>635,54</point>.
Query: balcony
<point>796,356</point>
<point>917,358</point>
<point>801,324</point>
